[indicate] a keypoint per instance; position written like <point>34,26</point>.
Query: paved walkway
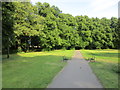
<point>76,74</point>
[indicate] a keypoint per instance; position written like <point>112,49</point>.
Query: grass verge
<point>105,67</point>
<point>34,69</point>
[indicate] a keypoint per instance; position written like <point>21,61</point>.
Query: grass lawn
<point>105,67</point>
<point>34,69</point>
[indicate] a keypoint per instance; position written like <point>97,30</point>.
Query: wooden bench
<point>92,59</point>
<point>65,59</point>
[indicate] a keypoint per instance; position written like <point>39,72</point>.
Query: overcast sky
<point>91,8</point>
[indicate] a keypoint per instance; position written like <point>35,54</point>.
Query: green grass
<point>105,67</point>
<point>34,69</point>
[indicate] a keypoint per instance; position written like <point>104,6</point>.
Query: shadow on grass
<point>105,54</point>
<point>17,57</point>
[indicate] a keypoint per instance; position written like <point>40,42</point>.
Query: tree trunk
<point>8,53</point>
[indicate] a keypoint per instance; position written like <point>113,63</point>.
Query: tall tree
<point>27,24</point>
<point>7,26</point>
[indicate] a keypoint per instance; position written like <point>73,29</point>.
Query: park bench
<point>92,59</point>
<point>65,58</point>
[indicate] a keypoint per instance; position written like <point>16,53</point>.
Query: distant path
<point>76,74</point>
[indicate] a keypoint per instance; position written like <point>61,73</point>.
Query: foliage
<point>44,26</point>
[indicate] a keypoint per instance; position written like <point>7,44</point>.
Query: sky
<point>119,9</point>
<point>91,8</point>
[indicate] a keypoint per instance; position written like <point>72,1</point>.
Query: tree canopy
<point>25,26</point>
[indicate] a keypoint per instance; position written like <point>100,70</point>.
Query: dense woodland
<point>27,27</point>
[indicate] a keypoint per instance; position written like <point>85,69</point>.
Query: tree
<point>42,25</point>
<point>27,24</point>
<point>115,31</point>
<point>7,26</point>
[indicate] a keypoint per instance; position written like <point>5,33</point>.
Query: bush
<point>19,49</point>
<point>72,48</point>
<point>46,49</point>
<point>63,48</point>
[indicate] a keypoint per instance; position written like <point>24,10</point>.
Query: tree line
<point>26,26</point>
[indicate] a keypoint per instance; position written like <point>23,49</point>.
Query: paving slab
<point>76,74</point>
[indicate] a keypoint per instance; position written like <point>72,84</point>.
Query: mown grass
<point>105,67</point>
<point>34,69</point>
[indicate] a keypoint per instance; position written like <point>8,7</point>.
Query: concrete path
<point>76,74</point>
